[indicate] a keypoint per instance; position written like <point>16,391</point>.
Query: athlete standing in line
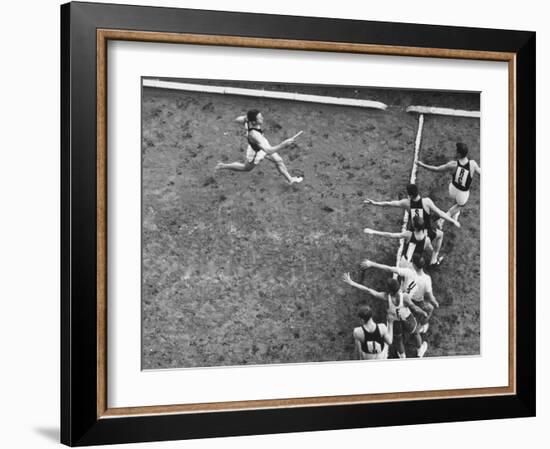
<point>423,297</point>
<point>399,305</point>
<point>259,148</point>
<point>416,206</point>
<point>372,340</point>
<point>463,170</point>
<point>416,240</point>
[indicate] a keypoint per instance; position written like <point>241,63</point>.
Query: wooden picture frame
<point>86,29</point>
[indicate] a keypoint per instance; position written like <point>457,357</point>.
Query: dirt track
<point>241,268</point>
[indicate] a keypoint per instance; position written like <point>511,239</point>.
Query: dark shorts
<point>407,327</point>
<point>427,307</point>
<point>432,233</point>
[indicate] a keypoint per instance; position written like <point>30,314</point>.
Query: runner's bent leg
<point>436,243</point>
<point>400,346</point>
<point>281,167</point>
<point>235,166</point>
<point>454,211</point>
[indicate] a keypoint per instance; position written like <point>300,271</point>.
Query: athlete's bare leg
<point>421,347</point>
<point>454,211</point>
<point>436,244</point>
<point>281,167</point>
<point>235,166</point>
<point>429,247</point>
<point>417,339</point>
<point>400,346</point>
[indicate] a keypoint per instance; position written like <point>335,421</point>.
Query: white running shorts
<point>460,196</point>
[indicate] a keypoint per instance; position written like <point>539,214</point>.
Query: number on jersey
<point>461,176</point>
<point>417,213</point>
<point>409,288</point>
<point>373,347</point>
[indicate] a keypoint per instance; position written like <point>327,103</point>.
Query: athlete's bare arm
<point>432,299</point>
<point>433,208</point>
<point>477,169</point>
<point>411,305</point>
<point>369,263</point>
<point>357,332</point>
<point>264,144</point>
<point>391,235</point>
<point>404,203</point>
<point>376,294</point>
<point>451,165</point>
<point>387,331</point>
<point>241,119</point>
<point>360,355</point>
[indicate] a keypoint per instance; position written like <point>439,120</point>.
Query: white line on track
<point>259,93</point>
<point>412,180</point>
<point>444,111</point>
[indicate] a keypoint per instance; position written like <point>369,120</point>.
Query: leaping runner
<point>259,148</point>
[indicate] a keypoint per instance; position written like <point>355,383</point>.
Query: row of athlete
<point>409,292</point>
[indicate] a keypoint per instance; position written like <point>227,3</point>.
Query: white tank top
<point>424,285</point>
<point>401,310</point>
<point>408,280</point>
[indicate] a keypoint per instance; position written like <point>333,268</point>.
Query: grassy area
<point>241,268</point>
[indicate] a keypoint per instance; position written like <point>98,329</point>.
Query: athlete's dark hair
<point>412,190</point>
<point>418,223</point>
<point>252,115</point>
<point>418,261</point>
<point>392,286</point>
<point>365,313</point>
<point>461,149</point>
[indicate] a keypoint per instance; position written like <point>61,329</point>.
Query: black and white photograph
<point>295,223</point>
<point>249,224</point>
